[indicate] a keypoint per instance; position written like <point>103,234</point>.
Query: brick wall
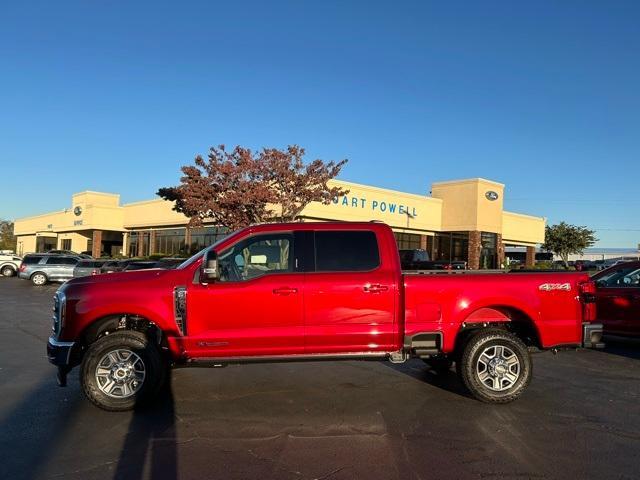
<point>531,257</point>
<point>474,250</point>
<point>96,246</point>
<point>500,251</point>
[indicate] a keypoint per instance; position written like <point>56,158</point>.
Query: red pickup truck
<point>311,291</point>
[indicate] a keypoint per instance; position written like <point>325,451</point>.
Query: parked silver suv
<point>42,268</point>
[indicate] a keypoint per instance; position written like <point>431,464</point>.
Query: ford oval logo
<point>491,195</point>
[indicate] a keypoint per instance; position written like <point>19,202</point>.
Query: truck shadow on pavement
<point>31,431</point>
<point>151,439</point>
<point>624,347</point>
<point>417,369</point>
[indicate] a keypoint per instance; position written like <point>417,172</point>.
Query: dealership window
<point>449,246</point>
<point>355,251</point>
<point>407,241</point>
<point>44,244</point>
<point>488,250</point>
<point>66,244</point>
<point>135,239</point>
<point>203,237</point>
<point>169,242</point>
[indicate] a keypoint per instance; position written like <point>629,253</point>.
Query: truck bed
<point>547,301</point>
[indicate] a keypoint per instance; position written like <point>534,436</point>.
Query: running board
<point>316,357</point>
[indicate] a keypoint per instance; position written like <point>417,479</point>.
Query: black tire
<point>440,365</point>
<point>155,371</point>
<point>508,380</point>
<point>39,279</point>
<point>8,271</point>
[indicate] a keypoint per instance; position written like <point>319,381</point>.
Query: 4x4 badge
<point>547,287</point>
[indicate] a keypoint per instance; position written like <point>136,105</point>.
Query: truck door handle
<point>375,288</point>
<point>284,291</point>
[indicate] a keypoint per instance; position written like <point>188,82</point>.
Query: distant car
<point>88,267</point>
<point>44,268</point>
<point>418,259</point>
<point>9,265</point>
<point>170,263</point>
<point>141,265</point>
<point>111,266</point>
<point>584,265</point>
<point>618,299</point>
<point>613,262</point>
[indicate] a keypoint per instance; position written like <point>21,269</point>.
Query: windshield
<point>195,257</point>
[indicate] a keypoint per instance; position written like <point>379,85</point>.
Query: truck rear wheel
<point>121,371</point>
<point>495,366</point>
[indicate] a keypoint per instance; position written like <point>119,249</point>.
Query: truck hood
<point>120,277</point>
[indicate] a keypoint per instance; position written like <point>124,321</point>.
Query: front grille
<point>180,308</point>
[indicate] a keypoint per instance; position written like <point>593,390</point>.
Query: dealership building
<point>461,220</point>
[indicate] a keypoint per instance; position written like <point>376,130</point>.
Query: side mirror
<point>209,271</point>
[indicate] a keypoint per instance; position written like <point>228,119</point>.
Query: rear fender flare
<point>496,315</point>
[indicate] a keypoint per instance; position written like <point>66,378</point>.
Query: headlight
<point>59,308</point>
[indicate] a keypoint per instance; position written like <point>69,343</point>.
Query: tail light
<point>588,298</point>
<point>23,267</point>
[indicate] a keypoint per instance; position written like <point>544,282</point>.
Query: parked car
<point>418,259</point>
<point>88,267</point>
<point>306,291</point>
<point>69,252</point>
<point>140,265</point>
<point>618,298</point>
<point>44,268</point>
<point>111,266</point>
<point>170,262</point>
<point>9,265</point>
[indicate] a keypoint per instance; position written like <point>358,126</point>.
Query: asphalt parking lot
<point>580,418</point>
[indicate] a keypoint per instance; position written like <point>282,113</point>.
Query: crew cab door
<point>255,308</point>
<point>618,301</point>
<point>349,296</point>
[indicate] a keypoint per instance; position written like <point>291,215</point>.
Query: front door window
<point>255,257</point>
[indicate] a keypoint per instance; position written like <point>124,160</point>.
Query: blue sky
<point>115,96</point>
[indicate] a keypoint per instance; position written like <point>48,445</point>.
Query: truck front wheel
<point>495,366</point>
<point>122,370</point>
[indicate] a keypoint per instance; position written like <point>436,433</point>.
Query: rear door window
<point>32,260</point>
<point>346,251</point>
<point>622,278</point>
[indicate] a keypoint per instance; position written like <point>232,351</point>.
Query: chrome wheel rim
<point>7,272</point>
<point>120,373</point>
<point>498,368</point>
<point>39,279</point>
